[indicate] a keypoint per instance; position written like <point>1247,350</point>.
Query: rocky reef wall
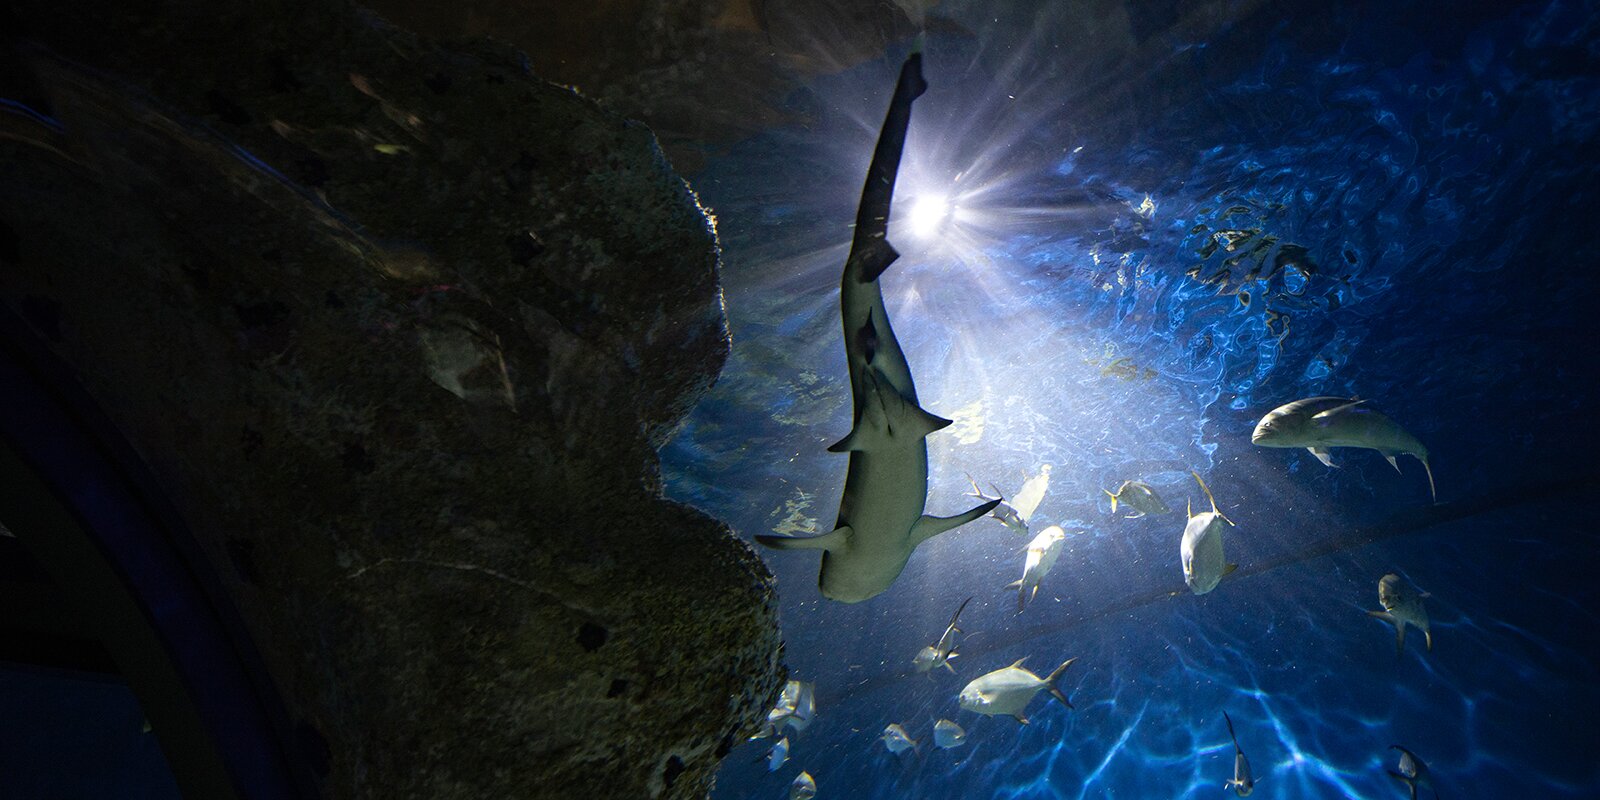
<point>398,328</point>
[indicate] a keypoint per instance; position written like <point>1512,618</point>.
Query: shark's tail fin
<point>1050,682</point>
<point>1113,500</point>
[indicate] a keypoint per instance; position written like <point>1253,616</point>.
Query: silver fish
<point>896,739</point>
<point>1242,782</point>
<point>1138,496</point>
<point>1003,511</point>
<point>1204,565</point>
<point>1042,554</point>
<point>1401,607</point>
<point>1413,773</point>
<point>939,653</point>
<point>1319,423</point>
<point>803,788</point>
<point>778,754</point>
<point>947,735</point>
<point>1007,691</point>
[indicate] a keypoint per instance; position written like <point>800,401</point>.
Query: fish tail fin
<point>1113,500</point>
<point>1235,739</point>
<point>1053,677</point>
<point>1399,628</point>
<point>1432,492</point>
<point>1207,490</point>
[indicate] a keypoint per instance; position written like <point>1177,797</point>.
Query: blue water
<point>1410,195</point>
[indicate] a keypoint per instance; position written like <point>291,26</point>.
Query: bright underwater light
<point>929,213</point>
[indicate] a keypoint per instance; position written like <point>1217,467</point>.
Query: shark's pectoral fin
<point>928,527</point>
<point>1323,455</point>
<point>836,539</point>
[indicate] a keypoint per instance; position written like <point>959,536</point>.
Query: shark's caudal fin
<point>928,526</point>
<point>870,249</point>
<point>1399,628</point>
<point>1050,682</point>
<point>1113,500</point>
<point>835,539</point>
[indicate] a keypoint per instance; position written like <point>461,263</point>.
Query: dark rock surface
<point>399,329</point>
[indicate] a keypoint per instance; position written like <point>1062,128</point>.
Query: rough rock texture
<point>399,329</point>
<point>702,73</point>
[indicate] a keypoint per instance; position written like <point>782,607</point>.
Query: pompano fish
<point>778,754</point>
<point>1031,495</point>
<point>1007,691</point>
<point>1042,554</point>
<point>1204,565</point>
<point>1138,496</point>
<point>947,735</point>
<point>803,788</point>
<point>1413,773</point>
<point>1242,783</point>
<point>1003,511</point>
<point>939,653</point>
<point>896,739</point>
<point>796,706</point>
<point>1402,606</point>
<point>881,520</point>
<point>1319,423</point>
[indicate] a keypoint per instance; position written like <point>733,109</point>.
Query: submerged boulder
<point>399,330</point>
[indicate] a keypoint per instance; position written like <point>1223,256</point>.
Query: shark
<point>881,520</point>
<point>1320,423</point>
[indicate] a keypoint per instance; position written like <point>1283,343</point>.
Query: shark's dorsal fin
<point>836,539</point>
<point>928,527</point>
<point>1324,414</point>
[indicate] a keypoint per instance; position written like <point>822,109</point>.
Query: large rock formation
<point>399,329</point>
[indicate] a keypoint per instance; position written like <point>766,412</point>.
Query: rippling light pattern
<point>1154,233</point>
